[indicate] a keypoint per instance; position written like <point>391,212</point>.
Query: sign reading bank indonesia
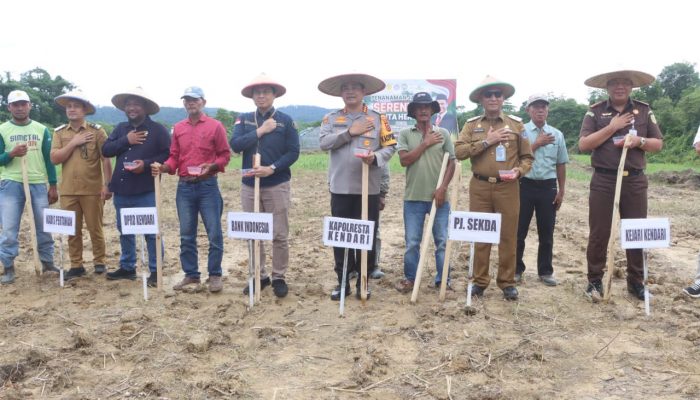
<point>59,221</point>
<point>645,233</point>
<point>252,226</point>
<point>475,227</point>
<point>348,233</point>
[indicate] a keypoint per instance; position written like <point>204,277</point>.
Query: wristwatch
<point>642,142</point>
<point>485,144</point>
<point>273,167</point>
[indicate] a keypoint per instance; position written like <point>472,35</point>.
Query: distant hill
<point>170,115</point>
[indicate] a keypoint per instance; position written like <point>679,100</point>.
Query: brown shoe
<point>404,286</point>
<point>187,281</point>
<point>215,284</point>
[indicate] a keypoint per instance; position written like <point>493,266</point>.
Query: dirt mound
<point>688,178</point>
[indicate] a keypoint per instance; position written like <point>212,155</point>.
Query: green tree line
<point>674,97</point>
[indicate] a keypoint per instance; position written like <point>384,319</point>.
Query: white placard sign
<point>475,227</point>
<point>244,225</point>
<point>59,221</point>
<point>645,233</point>
<point>139,221</point>
<point>348,233</point>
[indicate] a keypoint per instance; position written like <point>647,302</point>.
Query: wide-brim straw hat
<point>638,78</point>
<point>150,106</point>
<point>78,95</point>
<point>263,80</point>
<point>331,86</point>
<point>490,82</point>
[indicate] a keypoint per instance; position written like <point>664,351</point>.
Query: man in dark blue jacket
<point>272,134</point>
<point>136,143</point>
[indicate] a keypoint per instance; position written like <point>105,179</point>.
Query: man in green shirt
<point>421,150</point>
<point>22,137</point>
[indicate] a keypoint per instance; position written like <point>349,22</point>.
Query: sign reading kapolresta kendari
<point>393,101</point>
<point>348,233</point>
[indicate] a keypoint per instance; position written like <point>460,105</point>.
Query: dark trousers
<point>350,206</point>
<point>537,196</point>
<point>633,204</point>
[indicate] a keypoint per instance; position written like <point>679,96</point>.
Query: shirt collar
<point>628,105</point>
<point>267,114</point>
<point>532,127</point>
<point>82,126</point>
<point>145,123</point>
<point>364,109</point>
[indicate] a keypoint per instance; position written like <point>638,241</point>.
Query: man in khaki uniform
<point>495,142</point>
<point>77,145</point>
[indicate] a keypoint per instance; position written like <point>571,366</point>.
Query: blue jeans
<point>12,202</point>
<point>127,261</point>
<point>201,197</point>
<point>414,213</point>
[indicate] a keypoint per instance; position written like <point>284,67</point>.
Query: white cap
<point>17,95</point>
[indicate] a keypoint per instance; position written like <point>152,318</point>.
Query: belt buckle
<point>492,179</point>
<point>625,173</point>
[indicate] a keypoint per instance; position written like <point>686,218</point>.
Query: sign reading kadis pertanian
<point>645,233</point>
<point>139,221</point>
<point>246,225</point>
<point>475,227</point>
<point>59,221</point>
<point>348,233</point>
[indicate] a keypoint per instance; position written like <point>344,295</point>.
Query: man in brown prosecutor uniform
<point>602,132</point>
<point>495,142</point>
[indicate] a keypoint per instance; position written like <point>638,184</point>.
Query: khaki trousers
<point>503,198</point>
<point>275,200</point>
<point>91,209</point>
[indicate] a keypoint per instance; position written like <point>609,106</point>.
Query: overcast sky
<point>108,46</point>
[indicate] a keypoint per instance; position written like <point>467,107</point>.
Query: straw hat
<point>150,106</point>
<point>638,78</point>
<point>490,82</point>
<point>63,100</point>
<point>263,80</point>
<point>331,86</point>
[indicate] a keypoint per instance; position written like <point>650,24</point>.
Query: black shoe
<point>595,290</point>
<point>121,273</point>
<point>637,289</point>
<point>279,287</point>
<point>439,283</point>
<point>359,297</point>
<point>152,280</point>
<point>100,269</point>
<point>693,290</point>
<point>510,293</point>
<point>477,291</point>
<point>74,273</point>
<point>335,294</point>
<point>263,284</point>
<point>47,266</point>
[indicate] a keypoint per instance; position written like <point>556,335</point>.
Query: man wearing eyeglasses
<point>23,137</point>
<point>85,173</point>
<point>500,154</point>
<point>273,135</point>
<point>603,131</point>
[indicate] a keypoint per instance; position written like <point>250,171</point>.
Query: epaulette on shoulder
<point>640,102</point>
<point>94,125</point>
<point>598,103</point>
<point>515,118</point>
<point>58,128</point>
<point>474,118</point>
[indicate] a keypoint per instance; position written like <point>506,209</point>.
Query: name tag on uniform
<point>478,130</point>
